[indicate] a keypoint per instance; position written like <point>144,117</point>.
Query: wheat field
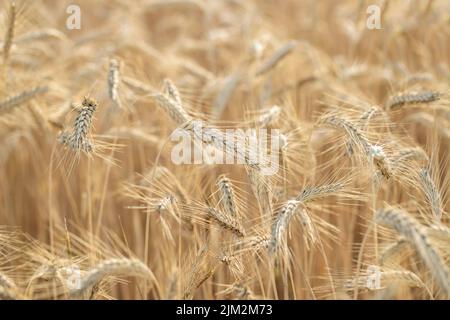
<point>93,205</point>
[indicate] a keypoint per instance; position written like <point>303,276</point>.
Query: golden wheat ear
<point>409,98</point>
<point>416,235</point>
<point>79,138</point>
<point>8,104</point>
<point>114,80</point>
<point>112,267</point>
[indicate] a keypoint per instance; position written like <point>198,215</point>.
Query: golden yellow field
<point>109,189</point>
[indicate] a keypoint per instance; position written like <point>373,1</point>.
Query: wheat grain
<point>431,192</point>
<point>228,195</point>
<point>381,161</point>
<point>313,193</point>
<point>309,230</point>
<point>173,109</point>
<point>351,130</point>
<point>412,98</point>
<point>281,224</point>
<point>39,35</point>
<point>114,80</point>
<point>227,222</point>
<point>79,138</point>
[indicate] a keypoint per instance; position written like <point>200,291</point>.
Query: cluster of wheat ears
<point>93,207</point>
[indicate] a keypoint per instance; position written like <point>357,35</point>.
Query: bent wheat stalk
<point>21,98</point>
<point>290,208</point>
<point>112,267</point>
<point>416,235</point>
<point>226,222</point>
<point>276,57</point>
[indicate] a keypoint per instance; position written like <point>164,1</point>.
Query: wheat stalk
<point>393,251</point>
<point>172,91</point>
<point>137,86</point>
<point>431,192</point>
<point>9,35</point>
<point>227,222</point>
<point>6,282</point>
<point>415,153</point>
<point>6,294</point>
<point>373,153</point>
<point>40,34</point>
<point>276,57</point>
<point>114,80</point>
<point>386,276</point>
<point>228,195</point>
<point>313,193</point>
<point>21,98</point>
<point>222,99</point>
<point>412,98</point>
<point>351,130</point>
<point>79,138</point>
<point>270,116</point>
<point>112,267</point>
<point>290,208</point>
<point>173,109</point>
<point>281,224</point>
<point>416,234</point>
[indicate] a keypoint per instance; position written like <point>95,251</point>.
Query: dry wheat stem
<point>9,36</point>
